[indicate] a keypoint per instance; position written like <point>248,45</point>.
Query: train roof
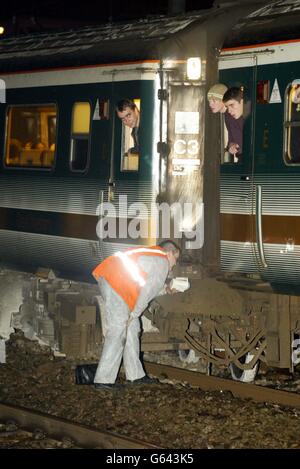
<point>145,39</point>
<point>103,43</point>
<point>278,21</point>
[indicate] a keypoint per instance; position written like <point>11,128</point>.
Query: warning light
<point>193,68</point>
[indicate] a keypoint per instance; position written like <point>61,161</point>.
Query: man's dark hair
<point>124,103</point>
<point>169,245</point>
<point>233,93</point>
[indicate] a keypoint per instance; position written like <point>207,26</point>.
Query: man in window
<point>129,114</point>
<point>215,98</point>
<point>215,101</point>
<point>234,102</point>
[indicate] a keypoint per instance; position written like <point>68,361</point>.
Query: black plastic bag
<point>85,374</point>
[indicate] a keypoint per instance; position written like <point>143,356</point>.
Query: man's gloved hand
<point>179,284</point>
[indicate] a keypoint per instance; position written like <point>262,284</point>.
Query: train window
<point>130,151</point>
<point>292,124</point>
<point>31,136</point>
<point>80,136</point>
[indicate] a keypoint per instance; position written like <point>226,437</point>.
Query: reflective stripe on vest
<point>123,273</point>
<point>131,267</point>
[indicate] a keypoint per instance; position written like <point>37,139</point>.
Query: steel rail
<point>82,435</point>
<point>210,383</point>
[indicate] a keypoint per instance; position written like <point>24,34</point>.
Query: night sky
<point>88,8</point>
<point>27,16</point>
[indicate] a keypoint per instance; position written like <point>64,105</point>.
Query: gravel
<point>169,415</point>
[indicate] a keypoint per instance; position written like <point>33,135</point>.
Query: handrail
<point>259,238</point>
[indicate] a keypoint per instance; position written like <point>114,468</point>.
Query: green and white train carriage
<point>260,195</point>
<point>64,150</point>
<point>63,153</point>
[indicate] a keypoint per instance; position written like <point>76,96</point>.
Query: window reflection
<point>31,136</point>
<point>80,133</point>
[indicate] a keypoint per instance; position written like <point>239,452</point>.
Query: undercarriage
<point>214,321</point>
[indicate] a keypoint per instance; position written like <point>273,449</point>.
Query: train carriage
<point>65,168</point>
<point>50,196</point>
<point>261,193</point>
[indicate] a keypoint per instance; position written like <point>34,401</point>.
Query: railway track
<point>210,383</point>
<point>84,436</point>
<point>59,429</point>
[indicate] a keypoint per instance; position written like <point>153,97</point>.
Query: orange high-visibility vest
<point>123,273</point>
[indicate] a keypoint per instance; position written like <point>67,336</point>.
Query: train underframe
<point>230,322</point>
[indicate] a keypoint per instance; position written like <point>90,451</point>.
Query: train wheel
<point>245,376</point>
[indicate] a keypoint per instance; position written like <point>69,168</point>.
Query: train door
<point>237,202</point>
<point>277,174</point>
<point>127,216</point>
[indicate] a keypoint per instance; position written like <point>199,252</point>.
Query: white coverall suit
<point>122,337</point>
